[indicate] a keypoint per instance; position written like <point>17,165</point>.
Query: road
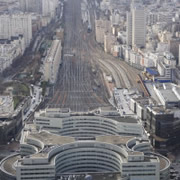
<point>75,85</point>
<point>36,99</point>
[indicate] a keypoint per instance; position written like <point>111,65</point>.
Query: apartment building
<point>43,7</point>
<point>16,24</point>
<point>10,50</point>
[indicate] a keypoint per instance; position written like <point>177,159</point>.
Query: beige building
<point>101,27</point>
<point>60,34</point>
<point>109,41</point>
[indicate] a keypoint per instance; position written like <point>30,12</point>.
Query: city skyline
<point>89,89</point>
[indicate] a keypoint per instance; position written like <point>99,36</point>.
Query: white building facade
<point>10,50</point>
<point>43,7</point>
<point>16,24</point>
<point>52,62</point>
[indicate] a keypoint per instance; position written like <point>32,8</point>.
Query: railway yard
<point>81,85</point>
<point>75,87</point>
<point>89,82</point>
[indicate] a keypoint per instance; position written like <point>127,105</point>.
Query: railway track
<point>74,85</point>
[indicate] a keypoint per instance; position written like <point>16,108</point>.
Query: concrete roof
<point>51,139</point>
<point>7,164</point>
<point>117,140</point>
<point>124,119</point>
<point>168,95</point>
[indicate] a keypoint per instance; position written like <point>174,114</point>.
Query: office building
<point>179,56</point>
<point>136,26</point>
<point>174,46</point>
<point>160,114</point>
<point>163,125</point>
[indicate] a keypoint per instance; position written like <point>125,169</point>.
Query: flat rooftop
<point>117,140</point>
<point>8,164</point>
<point>150,88</point>
<point>169,95</point>
<point>51,139</point>
<point>142,100</point>
<point>108,108</point>
<point>161,110</point>
<point>126,119</point>
<point>97,176</point>
<point>116,116</point>
<point>167,91</point>
<point>50,142</point>
<point>163,162</point>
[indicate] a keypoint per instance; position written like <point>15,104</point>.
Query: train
<point>89,29</point>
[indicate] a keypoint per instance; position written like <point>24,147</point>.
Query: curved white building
<point>86,126</point>
<point>47,156</point>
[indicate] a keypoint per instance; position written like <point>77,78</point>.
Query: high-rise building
<point>136,26</point>
<point>31,6</point>
<point>16,24</point>
<point>179,56</point>
<point>129,29</point>
<point>174,46</point>
<point>102,26</point>
<point>135,2</point>
<point>44,7</point>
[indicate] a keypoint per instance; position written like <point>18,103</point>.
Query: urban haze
<point>89,89</point>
